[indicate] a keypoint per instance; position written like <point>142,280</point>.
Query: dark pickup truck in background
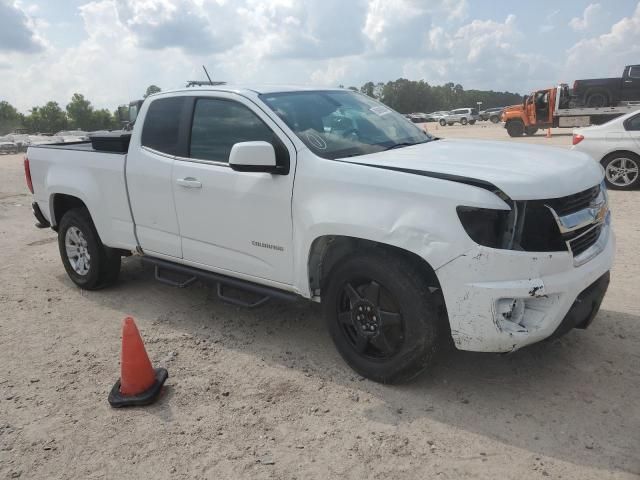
<point>606,92</point>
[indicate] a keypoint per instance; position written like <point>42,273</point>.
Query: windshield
<point>337,124</point>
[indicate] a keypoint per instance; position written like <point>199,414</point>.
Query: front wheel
<point>515,128</point>
<point>442,122</point>
<point>89,264</point>
<point>382,316</point>
<point>463,121</point>
<point>494,119</point>
<point>621,170</point>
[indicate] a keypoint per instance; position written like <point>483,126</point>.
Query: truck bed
<point>96,177</point>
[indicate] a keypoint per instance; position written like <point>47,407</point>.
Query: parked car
<point>616,145</point>
<point>436,116</point>
<point>461,116</point>
<point>408,242</point>
<point>491,114</point>
<point>8,147</point>
<point>418,117</point>
<point>605,92</point>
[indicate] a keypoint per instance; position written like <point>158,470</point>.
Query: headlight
<point>488,227</point>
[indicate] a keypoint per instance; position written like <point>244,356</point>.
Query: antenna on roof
<point>207,73</point>
<point>200,83</point>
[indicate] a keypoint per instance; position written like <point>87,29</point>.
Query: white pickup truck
<point>328,195</point>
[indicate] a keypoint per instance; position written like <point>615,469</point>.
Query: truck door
<point>148,174</point>
<point>631,83</point>
<point>530,110</point>
<point>234,221</point>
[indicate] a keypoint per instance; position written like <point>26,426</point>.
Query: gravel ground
<point>263,393</point>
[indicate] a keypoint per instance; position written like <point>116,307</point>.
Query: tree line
<point>405,96</point>
<point>78,114</point>
<point>409,96</point>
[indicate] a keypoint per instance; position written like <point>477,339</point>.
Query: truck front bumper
<point>503,300</point>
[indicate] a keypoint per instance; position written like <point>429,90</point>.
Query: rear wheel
<point>621,170</point>
<point>597,99</point>
<point>494,119</point>
<point>463,121</point>
<point>382,316</point>
<point>515,128</point>
<point>89,264</point>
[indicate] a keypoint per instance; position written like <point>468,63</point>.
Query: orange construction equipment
<point>139,383</point>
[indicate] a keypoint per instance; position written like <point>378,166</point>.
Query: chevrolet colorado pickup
<point>328,195</point>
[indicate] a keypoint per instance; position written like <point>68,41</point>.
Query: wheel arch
<point>595,90</point>
<point>61,203</point>
<point>327,250</point>
<point>618,152</point>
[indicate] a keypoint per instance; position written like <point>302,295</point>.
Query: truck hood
<point>523,172</point>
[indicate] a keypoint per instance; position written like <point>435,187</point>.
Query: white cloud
<point>588,19</point>
<point>606,54</point>
<point>18,32</point>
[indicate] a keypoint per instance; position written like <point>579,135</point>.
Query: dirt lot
<point>263,394</point>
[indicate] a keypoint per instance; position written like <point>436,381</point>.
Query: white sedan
<point>616,145</point>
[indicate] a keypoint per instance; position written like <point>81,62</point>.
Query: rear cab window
<point>161,129</point>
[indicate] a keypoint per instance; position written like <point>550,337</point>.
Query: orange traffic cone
<point>139,383</point>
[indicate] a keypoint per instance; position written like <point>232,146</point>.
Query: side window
<point>161,130</point>
<point>634,72</point>
<point>633,123</point>
<point>219,124</point>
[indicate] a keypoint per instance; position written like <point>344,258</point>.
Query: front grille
<point>541,228</point>
<point>580,240</point>
<point>573,203</point>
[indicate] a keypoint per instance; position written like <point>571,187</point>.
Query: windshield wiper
<point>405,144</point>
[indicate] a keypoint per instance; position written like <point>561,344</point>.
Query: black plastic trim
<point>42,221</point>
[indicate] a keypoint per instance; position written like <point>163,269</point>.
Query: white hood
<point>524,172</point>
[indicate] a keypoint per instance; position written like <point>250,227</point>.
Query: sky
<point>111,50</point>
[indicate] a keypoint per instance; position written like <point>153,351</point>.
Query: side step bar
<point>192,274</point>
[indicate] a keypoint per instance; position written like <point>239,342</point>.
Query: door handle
<point>189,182</point>
<point>628,81</point>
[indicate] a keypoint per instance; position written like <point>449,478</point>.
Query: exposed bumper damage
<point>502,300</point>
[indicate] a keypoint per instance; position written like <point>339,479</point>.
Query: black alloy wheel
<point>371,320</point>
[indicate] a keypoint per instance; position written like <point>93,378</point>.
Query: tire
<point>463,121</point>
<point>404,347</point>
<point>77,231</point>
<point>515,128</point>
<point>615,164</point>
<point>530,131</point>
<point>597,100</point>
<point>442,122</point>
<point>494,119</point>
<point>472,122</point>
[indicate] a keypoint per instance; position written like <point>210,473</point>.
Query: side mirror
<point>253,157</point>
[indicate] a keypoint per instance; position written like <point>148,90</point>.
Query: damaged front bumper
<point>502,300</point>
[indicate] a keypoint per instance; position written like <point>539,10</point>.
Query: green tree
<point>151,89</point>
<point>49,118</point>
<point>102,120</point>
<point>10,118</point>
<point>80,112</point>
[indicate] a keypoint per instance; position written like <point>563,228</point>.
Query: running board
<point>192,274</point>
